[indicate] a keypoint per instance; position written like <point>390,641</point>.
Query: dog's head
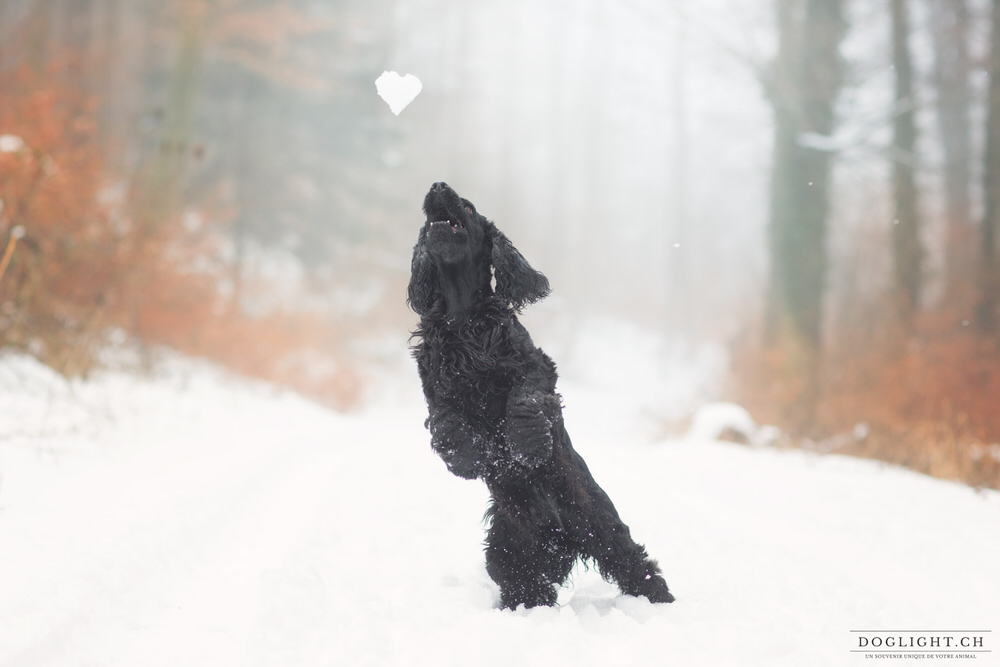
<point>454,254</point>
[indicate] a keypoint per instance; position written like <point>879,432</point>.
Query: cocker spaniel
<point>494,413</point>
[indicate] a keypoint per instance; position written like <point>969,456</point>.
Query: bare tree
<point>804,87</point>
<point>950,32</point>
<point>38,32</point>
<point>162,194</point>
<point>679,279</point>
<point>907,250</point>
<point>986,312</point>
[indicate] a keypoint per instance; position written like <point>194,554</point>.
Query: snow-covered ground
<point>189,518</point>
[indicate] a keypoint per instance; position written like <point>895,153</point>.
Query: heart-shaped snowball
<point>396,90</point>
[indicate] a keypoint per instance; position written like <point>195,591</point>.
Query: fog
<point>627,148</point>
<point>624,147</point>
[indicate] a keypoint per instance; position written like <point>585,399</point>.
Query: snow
<point>729,421</point>
<point>10,143</point>
<point>185,517</point>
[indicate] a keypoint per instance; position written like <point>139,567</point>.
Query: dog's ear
<point>422,290</point>
<point>516,281</point>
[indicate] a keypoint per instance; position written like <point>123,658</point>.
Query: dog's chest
<point>472,366</point>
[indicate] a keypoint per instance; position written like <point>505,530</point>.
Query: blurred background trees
<point>803,87</point>
<point>904,361</point>
<point>812,184</point>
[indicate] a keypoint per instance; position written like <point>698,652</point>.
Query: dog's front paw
<point>460,463</point>
<point>529,430</point>
<point>455,443</point>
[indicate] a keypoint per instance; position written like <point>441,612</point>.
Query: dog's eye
<point>468,209</point>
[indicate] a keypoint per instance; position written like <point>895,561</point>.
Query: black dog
<point>494,413</point>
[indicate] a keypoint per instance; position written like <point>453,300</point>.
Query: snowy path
<point>211,523</point>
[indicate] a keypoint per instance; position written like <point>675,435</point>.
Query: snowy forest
<point>769,229</point>
<point>810,186</point>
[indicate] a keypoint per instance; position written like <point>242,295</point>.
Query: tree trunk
<point>678,249</point>
<point>163,193</point>
<point>950,31</point>
<point>7,31</point>
<point>907,250</point>
<point>595,125</point>
<point>39,33</point>
<point>109,85</point>
<point>986,312</point>
<point>558,149</point>
<point>806,83</point>
<point>79,30</point>
<point>780,92</point>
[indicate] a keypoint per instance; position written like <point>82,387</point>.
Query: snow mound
<point>729,421</point>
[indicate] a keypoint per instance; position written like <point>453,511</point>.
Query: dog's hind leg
<point>619,558</point>
<point>604,538</point>
<point>527,567</point>
<point>607,540</point>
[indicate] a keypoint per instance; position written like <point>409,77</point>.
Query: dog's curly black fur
<point>494,413</point>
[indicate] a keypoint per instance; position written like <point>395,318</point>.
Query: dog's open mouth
<point>454,224</point>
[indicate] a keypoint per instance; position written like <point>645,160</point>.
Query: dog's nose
<point>440,186</point>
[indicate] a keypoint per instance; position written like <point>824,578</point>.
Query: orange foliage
<point>292,349</point>
<point>263,38</point>
<point>65,268</point>
<point>927,400</point>
<point>84,265</point>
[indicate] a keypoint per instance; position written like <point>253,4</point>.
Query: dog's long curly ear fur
<point>422,290</point>
<point>516,281</point>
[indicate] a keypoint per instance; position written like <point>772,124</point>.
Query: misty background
<point>242,193</point>
<point>623,146</point>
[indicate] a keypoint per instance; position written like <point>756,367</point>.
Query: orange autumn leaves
<point>83,261</point>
